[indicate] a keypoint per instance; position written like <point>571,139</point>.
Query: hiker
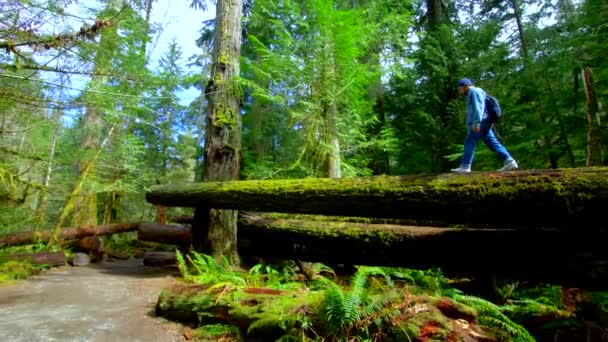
<point>479,126</point>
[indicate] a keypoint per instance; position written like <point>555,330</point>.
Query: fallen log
<point>30,237</point>
<point>544,255</point>
<point>51,259</point>
<point>565,198</point>
<point>308,217</point>
<point>155,232</point>
<point>159,258</point>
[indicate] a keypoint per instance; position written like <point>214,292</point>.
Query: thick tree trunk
<point>565,198</point>
<point>30,237</point>
<point>223,125</point>
<point>51,259</point>
<point>85,202</point>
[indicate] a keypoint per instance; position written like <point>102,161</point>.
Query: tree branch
<point>54,41</point>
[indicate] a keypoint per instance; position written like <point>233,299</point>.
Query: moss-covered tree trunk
<point>565,198</point>
<point>547,255</point>
<point>594,140</point>
<point>85,204</point>
<point>31,236</point>
<point>42,200</point>
<point>223,126</point>
<point>330,109</point>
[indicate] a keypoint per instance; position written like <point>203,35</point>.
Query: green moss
<point>14,270</point>
<point>213,332</point>
<point>224,116</point>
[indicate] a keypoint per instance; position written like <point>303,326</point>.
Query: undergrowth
<point>11,270</point>
<point>377,303</point>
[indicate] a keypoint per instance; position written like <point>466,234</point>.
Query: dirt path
<point>113,301</point>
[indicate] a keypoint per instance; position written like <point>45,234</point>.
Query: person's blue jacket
<point>475,100</point>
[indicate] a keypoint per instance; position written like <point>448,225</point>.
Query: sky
<point>182,23</point>
<point>176,20</point>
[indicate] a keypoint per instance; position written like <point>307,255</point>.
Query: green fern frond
<point>491,315</point>
<point>181,265</point>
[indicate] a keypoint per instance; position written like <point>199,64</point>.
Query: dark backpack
<point>493,108</point>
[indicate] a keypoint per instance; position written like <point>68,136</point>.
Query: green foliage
<point>203,269</point>
<point>343,311</point>
<point>216,331</point>
<point>11,270</point>
<point>428,281</point>
<point>490,315</point>
<point>280,276</point>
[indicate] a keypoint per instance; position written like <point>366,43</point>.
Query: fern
<point>345,309</point>
<point>203,269</point>
<point>491,316</point>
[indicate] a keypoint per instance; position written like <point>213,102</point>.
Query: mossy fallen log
<point>50,259</point>
<point>544,255</point>
<point>31,236</point>
<point>264,314</point>
<point>565,198</point>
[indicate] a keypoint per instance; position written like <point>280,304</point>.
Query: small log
<point>51,259</point>
<point>159,258</point>
<point>30,237</point>
<point>566,198</point>
<point>154,232</point>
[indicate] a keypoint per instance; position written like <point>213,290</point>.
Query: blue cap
<point>465,82</point>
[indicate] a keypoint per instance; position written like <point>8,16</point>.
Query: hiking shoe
<point>462,169</point>
<point>509,165</point>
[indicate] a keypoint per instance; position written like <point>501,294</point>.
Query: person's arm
<point>477,101</point>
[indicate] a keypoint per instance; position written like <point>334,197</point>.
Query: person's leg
<point>469,150</point>
<point>489,138</point>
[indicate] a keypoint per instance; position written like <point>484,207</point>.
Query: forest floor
<point>109,301</point>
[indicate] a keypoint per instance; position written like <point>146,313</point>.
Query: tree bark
<point>564,198</point>
<point>42,200</point>
<point>520,30</point>
<point>51,259</point>
<point>73,200</point>
<point>594,140</point>
<point>330,107</point>
<point>223,124</point>
<point>30,237</point>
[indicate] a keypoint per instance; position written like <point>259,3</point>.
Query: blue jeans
<point>485,133</point>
